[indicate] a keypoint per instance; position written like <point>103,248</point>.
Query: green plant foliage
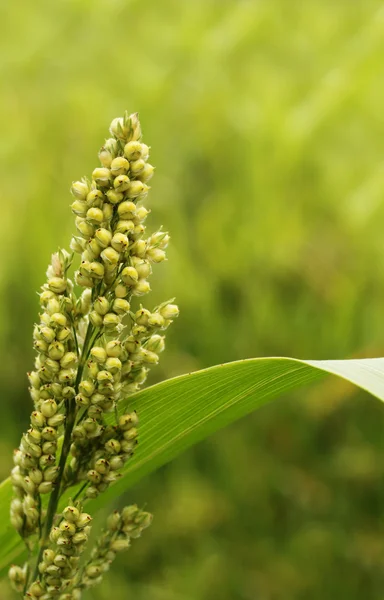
<point>180,412</point>
<point>266,123</point>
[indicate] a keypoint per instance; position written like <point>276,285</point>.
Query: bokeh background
<point>266,123</point>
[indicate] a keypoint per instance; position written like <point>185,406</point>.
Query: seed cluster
<point>94,348</point>
<point>99,463</point>
<point>60,562</point>
<point>121,528</point>
<point>51,383</point>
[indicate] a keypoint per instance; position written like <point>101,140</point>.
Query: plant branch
<point>70,407</point>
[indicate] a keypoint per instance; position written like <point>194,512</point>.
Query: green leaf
<point>179,412</point>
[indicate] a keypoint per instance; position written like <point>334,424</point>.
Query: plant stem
<point>81,490</point>
<point>70,407</point>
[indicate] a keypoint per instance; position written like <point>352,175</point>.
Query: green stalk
<point>70,408</point>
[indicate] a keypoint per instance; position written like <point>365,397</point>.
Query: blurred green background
<point>266,123</point>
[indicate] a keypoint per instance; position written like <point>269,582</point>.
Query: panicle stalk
<point>94,346</point>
